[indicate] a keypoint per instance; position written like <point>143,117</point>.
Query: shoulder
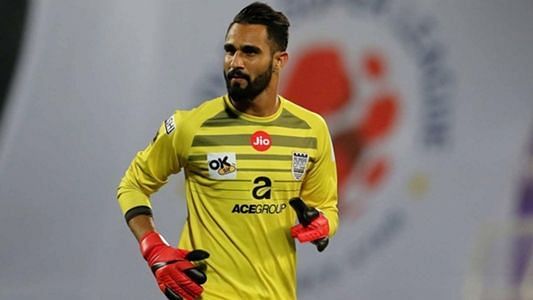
<point>183,125</point>
<point>187,121</point>
<point>197,115</point>
<point>310,117</point>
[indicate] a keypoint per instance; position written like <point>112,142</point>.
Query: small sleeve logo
<point>169,125</point>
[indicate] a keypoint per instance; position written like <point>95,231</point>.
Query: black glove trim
<point>159,265</point>
<point>171,295</point>
<point>195,274</point>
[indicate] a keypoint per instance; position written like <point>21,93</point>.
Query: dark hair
<point>276,22</point>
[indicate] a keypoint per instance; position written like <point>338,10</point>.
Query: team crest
<point>299,164</point>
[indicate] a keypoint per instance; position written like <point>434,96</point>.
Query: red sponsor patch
<point>261,141</point>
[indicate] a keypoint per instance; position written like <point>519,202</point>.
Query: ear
<point>280,60</point>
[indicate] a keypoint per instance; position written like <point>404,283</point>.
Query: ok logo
<point>219,163</point>
<point>262,188</point>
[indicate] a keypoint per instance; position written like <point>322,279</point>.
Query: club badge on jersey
<point>299,164</point>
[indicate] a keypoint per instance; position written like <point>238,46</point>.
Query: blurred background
<point>429,104</point>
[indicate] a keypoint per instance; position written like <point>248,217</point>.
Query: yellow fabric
<point>238,209</point>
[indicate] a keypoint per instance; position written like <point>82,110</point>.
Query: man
<point>244,155</point>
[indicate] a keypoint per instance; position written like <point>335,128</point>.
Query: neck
<point>264,105</point>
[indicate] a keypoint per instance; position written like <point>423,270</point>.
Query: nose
<point>236,60</point>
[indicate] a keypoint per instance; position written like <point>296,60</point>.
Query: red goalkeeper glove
<point>176,276</point>
<point>313,227</point>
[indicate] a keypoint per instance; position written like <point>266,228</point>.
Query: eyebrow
<point>250,49</point>
<point>244,48</point>
<point>228,46</point>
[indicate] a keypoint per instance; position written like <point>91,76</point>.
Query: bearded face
<point>242,88</point>
<point>248,61</point>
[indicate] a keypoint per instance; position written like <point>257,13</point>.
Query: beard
<point>252,88</point>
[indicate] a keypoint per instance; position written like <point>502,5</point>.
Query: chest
<point>256,164</point>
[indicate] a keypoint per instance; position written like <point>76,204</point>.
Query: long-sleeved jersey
<point>240,171</point>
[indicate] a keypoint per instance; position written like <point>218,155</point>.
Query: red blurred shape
<point>374,65</point>
<point>348,149</point>
<point>319,80</point>
<point>374,175</point>
<point>380,118</point>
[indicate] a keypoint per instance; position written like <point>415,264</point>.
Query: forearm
<point>140,225</point>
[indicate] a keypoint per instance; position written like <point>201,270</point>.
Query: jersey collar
<point>252,117</point>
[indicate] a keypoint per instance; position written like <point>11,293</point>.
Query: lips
<point>237,74</point>
<point>238,79</point>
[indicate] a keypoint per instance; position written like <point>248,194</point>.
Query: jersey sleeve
<point>150,168</point>
<point>320,184</point>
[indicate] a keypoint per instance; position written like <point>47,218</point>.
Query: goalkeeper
<point>249,157</point>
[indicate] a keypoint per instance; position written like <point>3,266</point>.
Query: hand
<point>313,227</point>
<point>176,276</point>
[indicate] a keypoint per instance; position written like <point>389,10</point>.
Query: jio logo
<point>261,141</point>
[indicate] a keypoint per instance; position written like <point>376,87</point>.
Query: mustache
<point>237,73</point>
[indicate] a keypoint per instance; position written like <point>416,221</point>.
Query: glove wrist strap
<point>149,242</point>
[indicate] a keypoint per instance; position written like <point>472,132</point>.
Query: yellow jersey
<point>240,172</point>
